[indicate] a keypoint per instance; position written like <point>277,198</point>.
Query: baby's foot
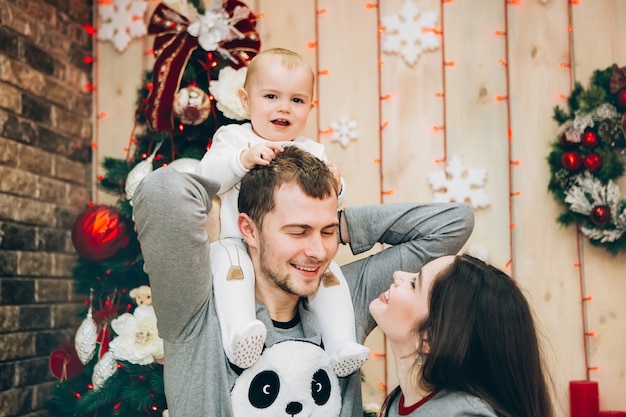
<point>247,344</point>
<point>348,358</point>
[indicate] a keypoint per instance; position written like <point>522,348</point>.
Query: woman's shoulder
<point>460,404</point>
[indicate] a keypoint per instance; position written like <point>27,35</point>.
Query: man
<point>289,221</point>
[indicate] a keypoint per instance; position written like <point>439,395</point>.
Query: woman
<point>464,341</point>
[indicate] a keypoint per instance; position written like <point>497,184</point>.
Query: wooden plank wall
<point>447,104</point>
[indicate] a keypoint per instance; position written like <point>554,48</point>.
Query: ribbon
<point>618,79</point>
<point>173,46</point>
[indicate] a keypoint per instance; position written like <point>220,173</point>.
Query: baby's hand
<point>260,154</point>
<point>336,173</point>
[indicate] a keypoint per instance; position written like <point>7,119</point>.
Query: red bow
<point>173,46</point>
<point>618,79</point>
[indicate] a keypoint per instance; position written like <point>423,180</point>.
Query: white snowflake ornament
<point>121,21</point>
<point>457,183</point>
<point>409,33</point>
<point>344,130</point>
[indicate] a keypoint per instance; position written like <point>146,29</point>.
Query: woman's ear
<point>421,345</point>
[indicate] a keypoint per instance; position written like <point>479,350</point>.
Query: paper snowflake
<point>459,184</point>
<point>344,130</point>
<point>121,21</point>
<point>409,33</point>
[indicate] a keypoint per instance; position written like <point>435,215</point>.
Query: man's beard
<point>269,272</point>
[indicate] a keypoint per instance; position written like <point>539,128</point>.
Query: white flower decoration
<point>225,91</point>
<point>212,28</point>
<point>137,338</point>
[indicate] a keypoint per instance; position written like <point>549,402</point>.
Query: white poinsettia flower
<point>225,90</point>
<point>212,28</point>
<point>137,338</point>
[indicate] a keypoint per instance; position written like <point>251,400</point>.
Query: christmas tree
<point>114,367</point>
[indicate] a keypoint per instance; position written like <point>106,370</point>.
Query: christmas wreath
<point>587,159</point>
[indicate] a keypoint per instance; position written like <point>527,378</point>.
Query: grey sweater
<point>170,209</point>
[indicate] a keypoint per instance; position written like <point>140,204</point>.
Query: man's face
<point>297,242</point>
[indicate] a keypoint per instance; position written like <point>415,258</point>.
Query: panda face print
<point>292,379</point>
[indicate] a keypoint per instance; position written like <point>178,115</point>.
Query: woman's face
<point>399,309</point>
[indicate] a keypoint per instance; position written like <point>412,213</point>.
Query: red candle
<point>583,398</point>
<point>611,414</point>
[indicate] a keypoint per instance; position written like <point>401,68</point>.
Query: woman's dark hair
<point>480,338</point>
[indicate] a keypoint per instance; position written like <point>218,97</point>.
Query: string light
<point>89,29</point>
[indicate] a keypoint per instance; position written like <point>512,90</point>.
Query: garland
<point>587,159</point>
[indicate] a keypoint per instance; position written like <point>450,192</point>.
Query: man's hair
<point>293,166</point>
<point>288,59</point>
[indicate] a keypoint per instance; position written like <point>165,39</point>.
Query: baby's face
<point>279,101</point>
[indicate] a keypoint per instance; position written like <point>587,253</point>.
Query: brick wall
<point>45,180</point>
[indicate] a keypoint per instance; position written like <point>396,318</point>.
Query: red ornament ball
<point>600,215</point>
<point>99,233</point>
<point>620,100</point>
<point>589,139</point>
<point>592,162</point>
<point>571,161</point>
